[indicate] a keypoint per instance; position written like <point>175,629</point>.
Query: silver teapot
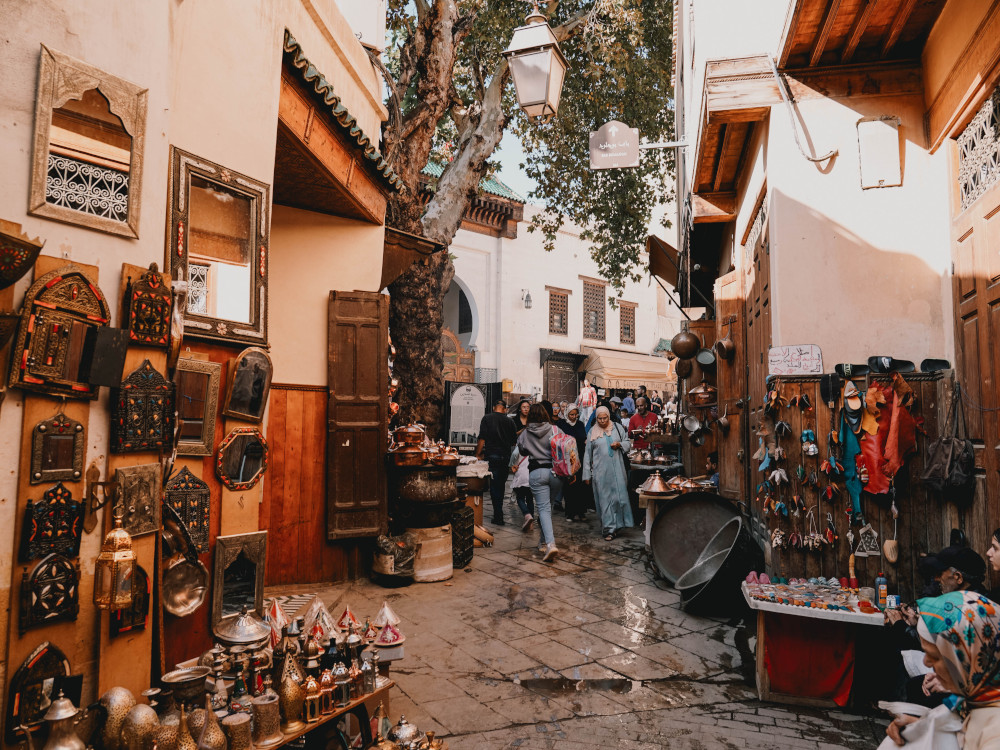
<point>62,717</point>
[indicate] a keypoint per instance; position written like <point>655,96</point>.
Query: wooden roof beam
<point>896,27</point>
<point>708,208</point>
<point>727,136</point>
<point>858,30</point>
<point>791,26</point>
<point>824,32</point>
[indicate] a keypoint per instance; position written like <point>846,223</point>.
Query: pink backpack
<point>565,456</point>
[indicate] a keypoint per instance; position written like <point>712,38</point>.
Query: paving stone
<point>549,652</point>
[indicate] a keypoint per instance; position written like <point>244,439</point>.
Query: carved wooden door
<point>562,383</point>
<point>732,383</point>
<point>757,321</point>
<point>358,380</point>
<point>459,364</point>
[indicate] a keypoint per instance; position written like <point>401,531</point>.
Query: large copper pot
<point>410,434</point>
<point>409,455</point>
<point>685,345</point>
<point>703,394</point>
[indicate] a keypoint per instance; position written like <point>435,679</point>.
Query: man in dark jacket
<point>497,434</point>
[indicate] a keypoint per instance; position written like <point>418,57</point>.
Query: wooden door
<point>976,294</point>
<point>459,363</point>
<point>731,378</point>
<point>757,321</point>
<point>358,380</point>
<point>561,380</point>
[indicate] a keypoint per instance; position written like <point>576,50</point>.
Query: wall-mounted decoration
<point>242,458</point>
<point>218,237</point>
<point>18,254</point>
<point>90,129</point>
<point>238,578</point>
<point>49,593</point>
<point>34,686</point>
<point>8,326</point>
<point>55,342</point>
<point>135,615</point>
<point>139,493</point>
<point>53,524</point>
<point>249,385</point>
<point>190,497</point>
<point>197,404</point>
<point>148,305</point>
<point>142,412</point>
<point>57,450</point>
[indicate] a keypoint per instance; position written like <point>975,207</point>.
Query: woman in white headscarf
<point>604,470</point>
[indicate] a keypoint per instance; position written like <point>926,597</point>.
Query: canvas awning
<point>611,368</point>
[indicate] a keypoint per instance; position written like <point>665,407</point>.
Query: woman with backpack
<point>535,442</point>
<point>604,470</point>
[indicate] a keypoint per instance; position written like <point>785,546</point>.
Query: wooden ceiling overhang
<point>739,93</point>
<point>820,33</point>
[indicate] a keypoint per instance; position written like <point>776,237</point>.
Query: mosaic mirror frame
<point>142,412</point>
<point>149,306</point>
<point>50,593</point>
<point>53,524</point>
<point>135,616</point>
<point>18,254</point>
<point>185,166</point>
<point>222,459</point>
<point>59,319</point>
<point>249,385</point>
<point>191,499</point>
<point>188,404</point>
<point>140,495</point>
<point>35,683</point>
<point>60,426</point>
<point>238,575</point>
<point>60,79</point>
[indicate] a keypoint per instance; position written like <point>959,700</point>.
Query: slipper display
<point>847,370</point>
<point>829,388</point>
<point>883,364</point>
<point>934,365</point>
<point>852,399</point>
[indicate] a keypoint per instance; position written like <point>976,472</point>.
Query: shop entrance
<point>561,380</point>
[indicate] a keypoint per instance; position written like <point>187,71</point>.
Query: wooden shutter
<point>358,404</point>
<point>732,383</point>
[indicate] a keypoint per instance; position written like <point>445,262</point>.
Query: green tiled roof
<point>490,185</point>
<point>340,113</point>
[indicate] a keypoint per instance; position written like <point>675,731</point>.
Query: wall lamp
<point>526,299</point>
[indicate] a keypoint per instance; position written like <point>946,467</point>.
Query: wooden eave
<point>820,33</point>
<point>401,250</point>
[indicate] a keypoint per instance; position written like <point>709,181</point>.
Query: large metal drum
<point>712,585</point>
<point>684,527</point>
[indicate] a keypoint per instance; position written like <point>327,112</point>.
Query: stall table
<point>813,657</point>
<point>368,702</point>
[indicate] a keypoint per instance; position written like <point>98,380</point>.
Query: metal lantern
<point>537,66</point>
<point>115,568</point>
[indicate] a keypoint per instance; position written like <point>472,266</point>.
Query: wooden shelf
<point>370,701</point>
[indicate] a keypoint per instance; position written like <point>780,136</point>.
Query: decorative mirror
<point>249,385</point>
<point>219,239</point>
<point>142,412</point>
<point>55,340</point>
<point>35,684</point>
<point>191,499</point>
<point>53,524</point>
<point>18,253</point>
<point>148,300</point>
<point>238,579</point>
<point>57,450</point>
<point>139,492</point>
<point>90,127</point>
<point>242,458</point>
<point>197,395</point>
<point>134,616</point>
<point>50,593</point>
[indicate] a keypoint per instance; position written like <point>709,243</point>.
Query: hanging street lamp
<point>537,66</point>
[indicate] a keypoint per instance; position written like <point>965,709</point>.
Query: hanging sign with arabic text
<point>614,146</point>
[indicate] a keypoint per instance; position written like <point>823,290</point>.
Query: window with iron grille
<point>558,306</point>
<point>593,311</point>
<point>627,322</point>
<point>979,151</point>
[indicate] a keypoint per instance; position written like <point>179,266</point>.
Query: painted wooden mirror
<point>197,398</point>
<point>242,458</point>
<point>249,385</point>
<point>238,578</point>
<point>57,450</point>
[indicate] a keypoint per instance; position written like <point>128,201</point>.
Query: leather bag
<point>949,466</point>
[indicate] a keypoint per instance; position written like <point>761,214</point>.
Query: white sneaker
<point>528,521</point>
<point>550,553</point>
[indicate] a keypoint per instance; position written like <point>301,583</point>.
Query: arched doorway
<point>459,364</point>
<point>461,315</point>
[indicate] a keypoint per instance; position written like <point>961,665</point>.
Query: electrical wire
<point>791,117</point>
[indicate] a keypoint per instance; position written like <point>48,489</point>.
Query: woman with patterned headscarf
<point>960,636</point>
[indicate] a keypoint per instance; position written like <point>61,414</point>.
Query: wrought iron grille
<point>558,308</point>
<point>198,289</point>
<point>979,151</point>
<point>593,311</point>
<point>486,374</point>
<point>627,324</point>
<point>88,188</point>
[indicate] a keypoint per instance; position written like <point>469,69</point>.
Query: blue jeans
<point>544,484</point>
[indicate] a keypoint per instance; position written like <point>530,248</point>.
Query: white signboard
<point>468,405</point>
<point>613,146</point>
<point>805,359</point>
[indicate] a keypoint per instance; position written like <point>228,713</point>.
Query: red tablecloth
<point>810,658</point>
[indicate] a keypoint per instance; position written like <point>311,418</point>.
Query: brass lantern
<point>115,568</point>
<point>537,66</point>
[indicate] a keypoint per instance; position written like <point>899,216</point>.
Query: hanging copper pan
<point>726,348</point>
<point>685,345</point>
<point>683,368</point>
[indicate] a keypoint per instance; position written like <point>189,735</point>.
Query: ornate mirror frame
<point>228,481</point>
<point>227,549</point>
<point>18,253</point>
<point>59,426</point>
<point>246,381</point>
<point>148,306</point>
<point>36,682</point>
<point>191,499</point>
<point>140,493</point>
<point>60,79</point>
<point>49,593</point>
<point>53,524</point>
<point>184,166</point>
<point>142,412</point>
<point>204,445</point>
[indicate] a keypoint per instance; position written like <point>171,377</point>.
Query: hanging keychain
<point>831,530</point>
<point>890,547</point>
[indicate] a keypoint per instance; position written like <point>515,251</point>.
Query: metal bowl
<point>185,585</point>
<point>188,683</point>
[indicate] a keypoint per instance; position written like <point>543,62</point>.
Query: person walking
<point>496,439</point>
<point>521,417</point>
<point>587,400</point>
<point>604,471</point>
<point>655,402</point>
<point>521,489</point>
<point>607,404</point>
<point>574,490</point>
<point>535,442</point>
<point>628,403</point>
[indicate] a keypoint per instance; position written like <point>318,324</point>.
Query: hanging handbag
<point>949,466</point>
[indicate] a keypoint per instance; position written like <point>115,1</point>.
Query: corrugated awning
<point>610,368</point>
<point>664,260</point>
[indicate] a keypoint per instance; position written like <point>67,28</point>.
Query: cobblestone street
<point>592,650</point>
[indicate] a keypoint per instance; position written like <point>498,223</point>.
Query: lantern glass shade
<point>537,66</point>
<point>114,570</point>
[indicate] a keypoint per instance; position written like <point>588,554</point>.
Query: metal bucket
<point>712,585</point>
<point>684,527</point>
